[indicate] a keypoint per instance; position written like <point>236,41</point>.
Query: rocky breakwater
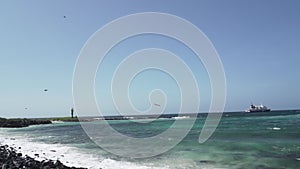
<point>10,159</point>
<point>14,123</point>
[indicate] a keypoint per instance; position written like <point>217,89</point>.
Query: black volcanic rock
<point>14,123</point>
<point>9,159</point>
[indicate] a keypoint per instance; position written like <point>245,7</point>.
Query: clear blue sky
<point>257,41</point>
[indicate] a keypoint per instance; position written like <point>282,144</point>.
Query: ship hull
<point>253,111</point>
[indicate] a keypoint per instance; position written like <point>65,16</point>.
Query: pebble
<point>10,159</point>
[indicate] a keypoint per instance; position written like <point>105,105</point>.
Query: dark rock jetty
<point>14,123</point>
<point>10,159</point>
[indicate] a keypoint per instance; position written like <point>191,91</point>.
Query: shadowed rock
<point>9,159</point>
<point>15,123</point>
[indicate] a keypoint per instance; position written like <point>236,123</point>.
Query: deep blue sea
<point>242,140</point>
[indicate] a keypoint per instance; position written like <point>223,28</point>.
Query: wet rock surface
<point>14,123</point>
<point>10,159</point>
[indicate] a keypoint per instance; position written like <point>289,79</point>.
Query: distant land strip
<point>24,122</point>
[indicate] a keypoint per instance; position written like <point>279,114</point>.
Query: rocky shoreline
<point>11,159</point>
<point>16,123</point>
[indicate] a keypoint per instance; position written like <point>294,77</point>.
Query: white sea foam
<point>181,117</point>
<point>276,128</point>
<point>55,121</point>
<point>70,156</point>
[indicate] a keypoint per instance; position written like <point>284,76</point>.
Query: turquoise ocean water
<point>256,140</point>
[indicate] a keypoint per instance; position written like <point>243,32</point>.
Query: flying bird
<point>156,104</point>
<point>45,90</point>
